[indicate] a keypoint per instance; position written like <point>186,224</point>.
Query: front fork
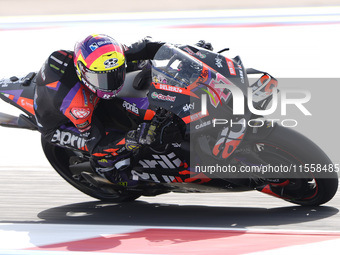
<point>247,155</point>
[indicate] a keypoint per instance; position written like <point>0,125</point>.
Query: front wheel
<point>70,164</point>
<point>312,180</point>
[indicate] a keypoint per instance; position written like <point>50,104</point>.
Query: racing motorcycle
<point>206,140</point>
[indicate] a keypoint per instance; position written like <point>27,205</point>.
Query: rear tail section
<point>19,92</point>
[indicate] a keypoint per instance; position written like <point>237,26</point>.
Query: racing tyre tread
<point>301,150</point>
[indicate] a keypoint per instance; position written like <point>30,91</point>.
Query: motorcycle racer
<point>71,86</point>
<point>186,162</point>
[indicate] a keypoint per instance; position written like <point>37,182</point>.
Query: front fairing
<point>180,80</point>
<point>231,68</point>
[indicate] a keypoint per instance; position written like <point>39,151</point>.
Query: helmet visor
<point>107,80</point>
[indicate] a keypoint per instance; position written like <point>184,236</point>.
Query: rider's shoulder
<point>60,59</point>
<point>58,67</point>
<point>62,55</point>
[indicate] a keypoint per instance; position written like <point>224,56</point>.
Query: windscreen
<point>174,67</point>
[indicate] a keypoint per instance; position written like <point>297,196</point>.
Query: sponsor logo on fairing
<point>196,116</point>
<point>163,161</point>
<point>218,62</point>
<point>198,53</point>
<point>188,50</point>
<point>201,55</point>
<point>170,88</point>
<point>162,97</point>
<point>146,176</point>
<point>176,145</point>
<point>204,124</point>
<point>189,107</point>
<point>231,67</point>
<point>241,73</point>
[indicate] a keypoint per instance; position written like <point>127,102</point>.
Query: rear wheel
<point>312,178</point>
<point>70,164</point>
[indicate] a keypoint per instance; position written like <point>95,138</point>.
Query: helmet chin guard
<point>107,94</point>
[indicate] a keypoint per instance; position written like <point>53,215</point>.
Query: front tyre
<point>284,146</point>
<point>69,164</point>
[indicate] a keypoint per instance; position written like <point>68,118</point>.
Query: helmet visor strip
<point>106,80</point>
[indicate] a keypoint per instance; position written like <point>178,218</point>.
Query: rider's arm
<point>65,108</point>
<point>100,142</point>
<point>105,144</point>
<point>142,50</point>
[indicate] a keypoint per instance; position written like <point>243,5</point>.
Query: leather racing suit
<point>69,114</point>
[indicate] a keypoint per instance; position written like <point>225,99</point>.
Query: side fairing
<point>19,92</point>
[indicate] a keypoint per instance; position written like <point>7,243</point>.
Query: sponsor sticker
<point>80,113</point>
<point>231,67</point>
<point>131,107</point>
<point>112,62</point>
<point>162,97</point>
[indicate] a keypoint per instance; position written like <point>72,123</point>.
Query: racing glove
<point>205,45</point>
<point>144,135</point>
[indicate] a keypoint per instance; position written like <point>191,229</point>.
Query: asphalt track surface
<point>43,197</point>
<point>31,193</point>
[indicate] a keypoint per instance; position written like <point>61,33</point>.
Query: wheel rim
<point>298,189</point>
